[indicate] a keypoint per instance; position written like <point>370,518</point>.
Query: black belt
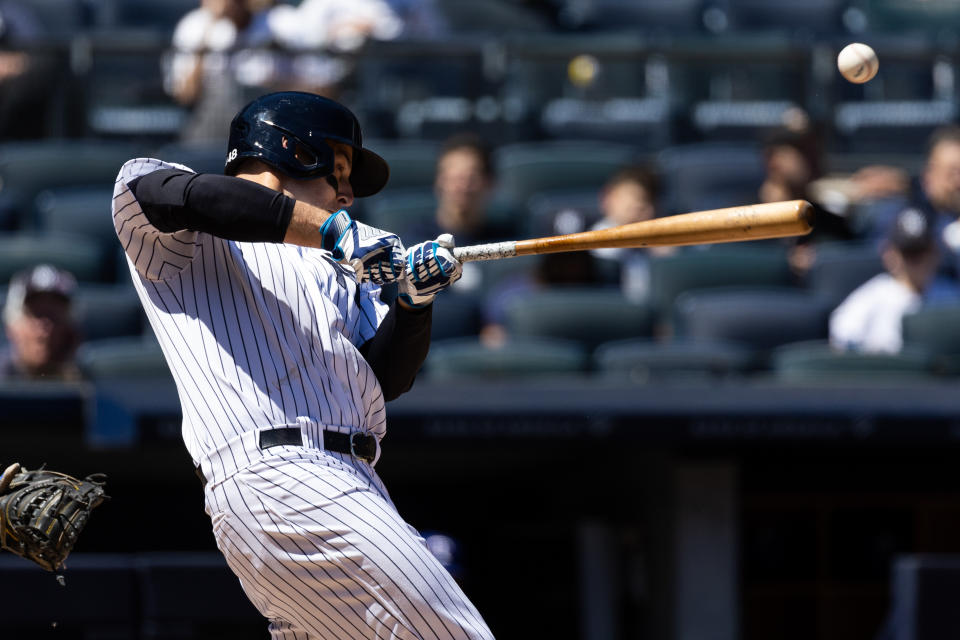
<point>358,445</point>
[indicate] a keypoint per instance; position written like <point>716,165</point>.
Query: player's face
<point>942,177</point>
<point>320,192</point>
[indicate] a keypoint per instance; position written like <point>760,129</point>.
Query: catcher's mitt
<point>42,512</point>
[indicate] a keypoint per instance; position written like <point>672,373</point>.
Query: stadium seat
<point>710,175</point>
<point>562,211</point>
<point>519,357</point>
<point>83,210</point>
<point>159,17</point>
<point>758,318</point>
<point>485,16</point>
<point>81,256</point>
<point>127,358</point>
<point>841,267</point>
<point>821,18</point>
<point>816,361</point>
<point>937,331</point>
<point>529,168</point>
<point>109,311</point>
<point>719,266</point>
<point>202,158</point>
<point>26,169</point>
<point>455,315</point>
<point>645,122</point>
<point>412,163</point>
<point>657,16</point>
<point>60,18</point>
<point>932,18</point>
<point>588,316</point>
<point>643,360</point>
<point>399,211</point>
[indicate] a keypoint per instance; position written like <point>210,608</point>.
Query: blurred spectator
<point>43,337</point>
<point>936,192</point>
<point>210,68</point>
<point>463,184</point>
<point>870,319</point>
<point>26,73</point>
<point>316,33</point>
<point>793,160</point>
<point>335,24</point>
<point>631,195</point>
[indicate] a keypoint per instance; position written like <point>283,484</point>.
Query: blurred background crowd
<point>509,119</point>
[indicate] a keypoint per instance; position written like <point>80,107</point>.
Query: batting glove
<point>430,268</point>
<point>376,255</point>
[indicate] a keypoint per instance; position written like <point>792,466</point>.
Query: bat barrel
<point>733,224</point>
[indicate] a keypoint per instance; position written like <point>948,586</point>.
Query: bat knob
<point>446,241</point>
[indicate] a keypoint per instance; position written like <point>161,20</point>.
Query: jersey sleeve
<point>154,254</point>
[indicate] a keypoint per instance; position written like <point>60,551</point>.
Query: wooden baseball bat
<point>733,224</point>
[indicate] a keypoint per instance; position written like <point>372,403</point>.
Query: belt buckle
<point>353,445</point>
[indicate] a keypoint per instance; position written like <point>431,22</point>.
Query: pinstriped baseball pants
<point>321,551</point>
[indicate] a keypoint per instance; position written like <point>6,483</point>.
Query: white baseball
<point>858,62</point>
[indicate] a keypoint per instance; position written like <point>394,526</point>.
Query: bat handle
<point>491,251</point>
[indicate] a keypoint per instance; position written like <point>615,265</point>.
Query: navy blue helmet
<point>289,130</point>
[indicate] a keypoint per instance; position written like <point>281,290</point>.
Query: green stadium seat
<point>758,318</point>
<point>588,316</point>
<point>201,157</point>
<point>933,18</point>
<point>644,360</point>
<point>709,175</point>
<point>131,357</point>
<point>108,311</point>
<point>80,255</point>
<point>412,163</point>
<point>519,357</point>
<point>455,315</point>
<point>26,169</point>
<point>841,267</point>
<point>528,168</point>
<point>817,17</point>
<point>745,265</point>
<point>816,361</point>
<point>401,210</point>
<point>83,210</point>
<point>937,331</point>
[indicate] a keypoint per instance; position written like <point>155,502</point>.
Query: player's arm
<point>244,211</point>
<point>398,349</point>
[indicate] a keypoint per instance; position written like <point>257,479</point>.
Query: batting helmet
<point>289,131</point>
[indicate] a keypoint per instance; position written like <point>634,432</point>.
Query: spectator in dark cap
<point>40,326</point>
<point>870,318</point>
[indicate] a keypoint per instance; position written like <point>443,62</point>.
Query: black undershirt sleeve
<point>398,349</point>
<point>223,206</point>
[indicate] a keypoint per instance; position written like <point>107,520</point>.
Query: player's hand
<point>430,268</point>
<point>376,255</point>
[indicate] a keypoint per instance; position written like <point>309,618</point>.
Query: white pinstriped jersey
<point>261,335</point>
<point>255,334</point>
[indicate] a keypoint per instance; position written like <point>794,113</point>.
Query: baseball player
<point>265,297</point>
